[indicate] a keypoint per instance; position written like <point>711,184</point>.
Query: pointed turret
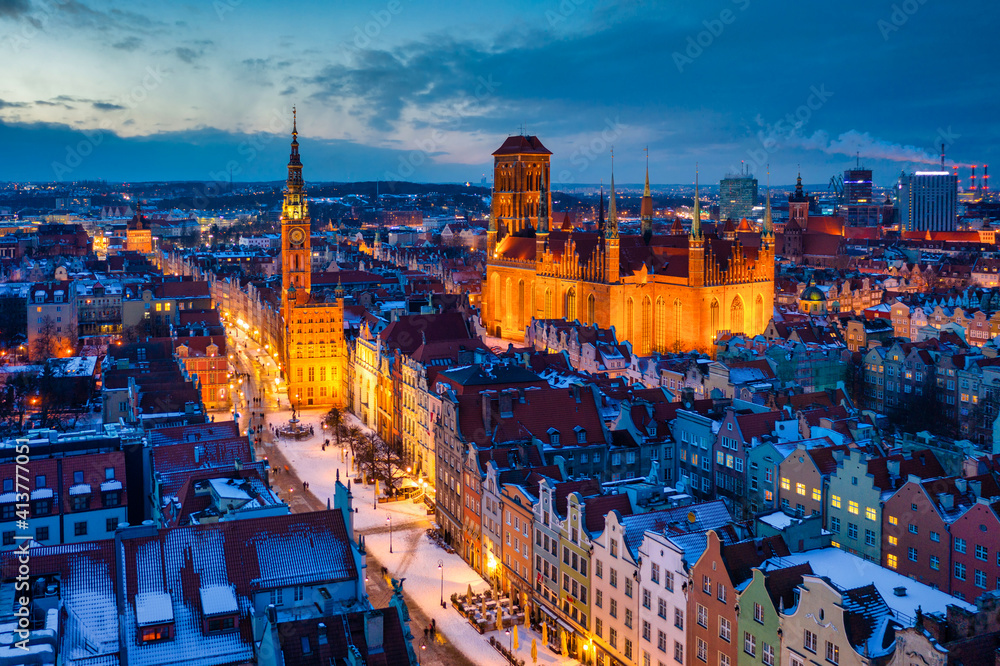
<point>611,229</point>
<point>696,215</point>
<point>646,209</point>
<point>611,242</point>
<point>768,221</point>
<point>696,243</point>
<point>491,235</point>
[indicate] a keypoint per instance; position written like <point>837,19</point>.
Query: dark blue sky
<point>426,91</point>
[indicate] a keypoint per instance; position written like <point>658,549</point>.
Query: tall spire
<point>645,192</point>
<point>696,217</point>
<point>768,223</point>
<point>611,230</point>
<point>294,182</point>
<point>646,208</point>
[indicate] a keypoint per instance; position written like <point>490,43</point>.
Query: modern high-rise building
<point>928,201</point>
<point>862,209</point>
<point>737,196</point>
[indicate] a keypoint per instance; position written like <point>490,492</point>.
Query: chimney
<point>197,454</point>
<point>373,631</point>
<point>976,487</point>
<point>892,466</point>
<point>962,485</point>
<point>486,399</point>
<point>506,403</point>
<point>946,500</point>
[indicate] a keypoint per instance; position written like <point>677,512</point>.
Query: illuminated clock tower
<point>296,270</point>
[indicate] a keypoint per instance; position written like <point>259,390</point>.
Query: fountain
<point>294,429</point>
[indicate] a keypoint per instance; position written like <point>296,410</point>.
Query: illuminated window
<point>835,501</point>
<point>852,507</point>
<point>800,488</point>
<point>816,495</point>
<point>785,484</point>
<point>893,541</point>
<point>870,512</point>
<point>893,520</point>
<point>892,561</point>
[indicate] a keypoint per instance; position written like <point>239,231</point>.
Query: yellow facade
<point>315,352</point>
<point>667,293</point>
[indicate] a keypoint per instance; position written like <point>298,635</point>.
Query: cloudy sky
<point>425,91</point>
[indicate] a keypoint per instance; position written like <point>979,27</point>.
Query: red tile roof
<point>519,144</point>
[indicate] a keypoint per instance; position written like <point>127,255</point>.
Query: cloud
<point>128,44</point>
<point>192,53</point>
<point>4,104</point>
<point>107,106</point>
<point>186,54</point>
<point>14,8</point>
<point>854,142</point>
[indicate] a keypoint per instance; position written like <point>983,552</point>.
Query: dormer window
<point>581,435</point>
<point>553,437</point>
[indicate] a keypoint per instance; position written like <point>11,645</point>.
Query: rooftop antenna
<point>942,155</point>
<point>857,157</point>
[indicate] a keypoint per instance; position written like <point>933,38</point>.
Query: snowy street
<point>414,557</point>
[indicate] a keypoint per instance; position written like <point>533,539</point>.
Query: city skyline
<point>407,91</point>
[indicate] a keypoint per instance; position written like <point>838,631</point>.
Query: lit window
<point>785,483</point>
<point>852,507</point>
<point>835,501</point>
<point>800,488</point>
<point>892,561</point>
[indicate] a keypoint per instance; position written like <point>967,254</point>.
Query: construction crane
<point>837,185</point>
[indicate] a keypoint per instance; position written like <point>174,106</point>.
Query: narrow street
<point>410,528</point>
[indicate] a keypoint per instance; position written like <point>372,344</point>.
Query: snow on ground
<point>415,557</point>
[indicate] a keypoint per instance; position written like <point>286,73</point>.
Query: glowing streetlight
<point>441,569</point>
<point>389,520</point>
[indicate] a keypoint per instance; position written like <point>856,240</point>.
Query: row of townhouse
<point>391,372</point>
<point>902,511</point>
<point>757,603</point>
<point>912,321</point>
<point>934,380</point>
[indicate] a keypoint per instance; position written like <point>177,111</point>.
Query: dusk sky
<point>425,91</point>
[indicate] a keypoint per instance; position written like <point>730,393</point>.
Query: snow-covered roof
<point>114,484</point>
<point>153,608</point>
<point>41,493</point>
<point>218,599</point>
<point>229,489</point>
<point>80,489</point>
<point>779,520</point>
<point>850,571</point>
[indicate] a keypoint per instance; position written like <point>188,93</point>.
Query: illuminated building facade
<point>138,238</point>
<point>660,292</point>
<point>315,353</point>
<point>928,201</point>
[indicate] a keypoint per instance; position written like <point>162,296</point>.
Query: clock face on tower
<point>297,236</point>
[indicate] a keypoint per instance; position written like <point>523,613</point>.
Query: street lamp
<point>441,569</point>
<point>389,519</point>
